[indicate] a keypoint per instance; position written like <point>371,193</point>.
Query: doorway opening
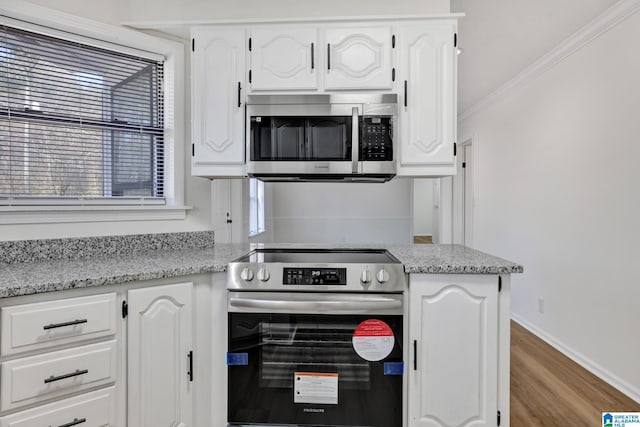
<point>423,210</point>
<point>463,199</point>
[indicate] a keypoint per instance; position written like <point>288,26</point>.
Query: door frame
<point>458,190</point>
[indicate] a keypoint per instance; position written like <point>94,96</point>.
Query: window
<point>78,122</point>
<point>256,207</point>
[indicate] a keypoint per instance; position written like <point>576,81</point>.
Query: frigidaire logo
<point>313,409</point>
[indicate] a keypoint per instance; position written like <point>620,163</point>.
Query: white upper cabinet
<point>414,58</point>
<point>218,94</point>
<point>358,58</point>
<point>428,98</point>
<point>284,58</point>
<point>316,58</point>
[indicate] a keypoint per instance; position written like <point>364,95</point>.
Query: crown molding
<point>603,23</point>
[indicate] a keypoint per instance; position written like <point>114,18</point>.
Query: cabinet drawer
<point>95,409</point>
<point>42,325</point>
<point>34,379</point>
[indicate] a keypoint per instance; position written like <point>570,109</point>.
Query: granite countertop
<point>30,267</point>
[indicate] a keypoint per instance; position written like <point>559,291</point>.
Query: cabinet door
<point>218,94</point>
<point>453,330</point>
<point>428,104</point>
<point>358,58</point>
<point>159,346</point>
<point>283,59</point>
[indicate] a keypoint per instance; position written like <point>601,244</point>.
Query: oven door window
<point>303,370</point>
<point>323,138</point>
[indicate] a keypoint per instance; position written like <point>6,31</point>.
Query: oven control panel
<point>314,276</point>
<point>353,278</point>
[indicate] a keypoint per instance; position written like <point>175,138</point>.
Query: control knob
<point>246,274</point>
<point>365,277</point>
<point>382,276</point>
<point>263,274</point>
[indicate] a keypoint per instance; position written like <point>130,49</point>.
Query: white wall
<point>200,10</point>
<point>556,189</point>
<point>110,12</point>
<point>197,190</point>
<point>342,213</point>
<point>422,207</point>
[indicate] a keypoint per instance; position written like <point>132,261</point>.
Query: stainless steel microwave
<point>342,137</point>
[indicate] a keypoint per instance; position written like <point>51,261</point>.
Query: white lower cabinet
<point>453,371</point>
<point>95,409</point>
<point>159,356</point>
<point>39,326</point>
<point>37,378</point>
<point>71,365</point>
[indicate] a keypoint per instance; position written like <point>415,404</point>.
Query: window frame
<point>53,23</point>
<point>256,207</point>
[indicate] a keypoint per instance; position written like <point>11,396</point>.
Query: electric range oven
<point>316,339</point>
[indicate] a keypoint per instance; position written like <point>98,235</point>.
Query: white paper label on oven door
<point>315,387</point>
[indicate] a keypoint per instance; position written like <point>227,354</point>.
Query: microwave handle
<point>355,140</point>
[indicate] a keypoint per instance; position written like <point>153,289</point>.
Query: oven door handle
<point>353,306</point>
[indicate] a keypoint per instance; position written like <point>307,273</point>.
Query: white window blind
<point>78,122</point>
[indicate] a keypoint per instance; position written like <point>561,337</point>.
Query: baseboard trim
<point>600,25</point>
<point>606,376</point>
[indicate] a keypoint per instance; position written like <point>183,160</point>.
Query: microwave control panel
<point>375,138</point>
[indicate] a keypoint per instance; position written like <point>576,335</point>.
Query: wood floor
<point>549,389</point>
<point>422,239</point>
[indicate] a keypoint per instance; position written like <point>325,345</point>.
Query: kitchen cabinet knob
<point>246,275</point>
<point>263,275</point>
<point>365,277</point>
<point>382,276</point>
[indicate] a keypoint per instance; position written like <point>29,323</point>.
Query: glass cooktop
<point>320,256</point>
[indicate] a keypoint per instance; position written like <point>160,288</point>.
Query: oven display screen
<point>314,276</point>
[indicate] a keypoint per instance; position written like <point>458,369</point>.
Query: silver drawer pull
<point>65,376</point>
<point>75,422</point>
<point>62,325</point>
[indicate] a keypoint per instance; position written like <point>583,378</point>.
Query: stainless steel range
<point>317,270</point>
<point>316,338</point>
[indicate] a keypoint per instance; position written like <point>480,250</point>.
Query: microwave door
<point>277,138</point>
<point>287,138</point>
<point>329,138</point>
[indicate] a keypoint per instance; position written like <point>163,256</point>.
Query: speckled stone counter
<point>451,259</point>
<point>36,266</point>
<point>30,267</point>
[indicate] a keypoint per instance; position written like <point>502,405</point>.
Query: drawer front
<point>34,379</point>
<point>95,409</point>
<point>43,325</point>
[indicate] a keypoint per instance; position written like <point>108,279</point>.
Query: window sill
<point>60,214</point>
<point>257,233</point>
